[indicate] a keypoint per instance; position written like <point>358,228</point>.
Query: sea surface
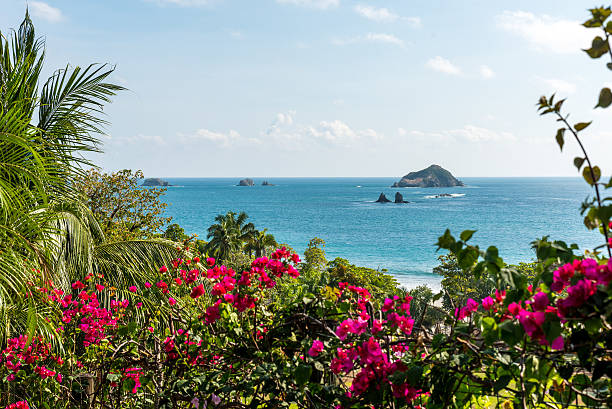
<point>506,212</point>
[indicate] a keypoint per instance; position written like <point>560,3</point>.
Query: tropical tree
<point>229,234</point>
<point>260,243</point>
<point>43,224</point>
<point>124,209</point>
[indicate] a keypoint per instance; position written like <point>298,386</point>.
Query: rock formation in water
<point>399,198</point>
<point>383,199</point>
<point>246,182</point>
<point>155,182</point>
<point>266,183</point>
<point>433,176</point>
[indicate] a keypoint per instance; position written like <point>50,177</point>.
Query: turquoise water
<point>506,212</point>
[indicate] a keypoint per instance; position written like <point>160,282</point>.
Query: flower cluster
<point>362,351</point>
<point>585,275</point>
<point>35,358</point>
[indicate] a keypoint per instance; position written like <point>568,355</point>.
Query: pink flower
<point>316,348</point>
<point>540,301</point>
<point>163,269</point>
<point>558,343</point>
<point>172,301</point>
<point>133,289</point>
<point>487,303</point>
<point>148,285</point>
<point>197,291</point>
<point>210,261</point>
<point>514,309</point>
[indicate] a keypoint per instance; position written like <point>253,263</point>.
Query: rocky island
<point>266,183</point>
<point>155,182</point>
<point>383,199</point>
<point>398,198</point>
<point>246,182</point>
<point>433,176</point>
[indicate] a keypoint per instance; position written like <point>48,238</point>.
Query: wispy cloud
<point>558,85</point>
<point>286,132</point>
<point>45,11</point>
<point>370,38</point>
<point>377,14</point>
<point>315,4</point>
<point>486,72</point>
<point>469,133</point>
<point>441,64</point>
<point>544,32</point>
<point>384,15</point>
<point>228,139</point>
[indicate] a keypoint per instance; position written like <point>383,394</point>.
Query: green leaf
<point>581,125</point>
<point>591,175</point>
<point>489,329</point>
<point>559,137</point>
<point>467,234</point>
<point>605,98</point>
<point>302,374</point>
<point>578,161</point>
<point>501,382</point>
<point>599,47</point>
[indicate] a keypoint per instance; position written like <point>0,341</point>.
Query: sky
<point>330,88</point>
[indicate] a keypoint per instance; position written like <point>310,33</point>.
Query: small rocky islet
<point>250,182</point>
<point>155,182</point>
<point>433,176</point>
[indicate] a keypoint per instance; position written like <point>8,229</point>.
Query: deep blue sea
<point>506,212</point>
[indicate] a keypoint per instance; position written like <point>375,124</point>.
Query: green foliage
<point>229,235</point>
<point>458,285</point>
<point>378,282</point>
<point>123,209</point>
<point>175,232</point>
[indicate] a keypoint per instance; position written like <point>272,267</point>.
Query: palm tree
<point>260,242</point>
<point>44,226</point>
<point>229,234</point>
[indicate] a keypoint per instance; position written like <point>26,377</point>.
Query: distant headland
<point>433,176</point>
<point>155,182</point>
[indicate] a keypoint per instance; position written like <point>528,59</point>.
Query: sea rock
<point>265,183</point>
<point>246,182</point>
<point>433,176</point>
<point>155,182</point>
<point>399,198</point>
<point>383,199</point>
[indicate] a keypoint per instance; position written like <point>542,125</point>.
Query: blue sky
<point>332,87</point>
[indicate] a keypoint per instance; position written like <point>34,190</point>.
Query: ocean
<point>506,212</point>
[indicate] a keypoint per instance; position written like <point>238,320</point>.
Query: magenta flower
<point>316,348</point>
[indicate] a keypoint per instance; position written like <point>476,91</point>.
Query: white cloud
<point>443,65</point>
<point>377,14</point>
<point>486,72</point>
<point>469,133</point>
<point>315,4</point>
<point>545,32</point>
<point>384,15</point>
<point>46,12</point>
<point>559,85</point>
<point>236,34</point>
<point>371,38</point>
<point>384,38</point>
<point>224,140</point>
<point>286,132</point>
